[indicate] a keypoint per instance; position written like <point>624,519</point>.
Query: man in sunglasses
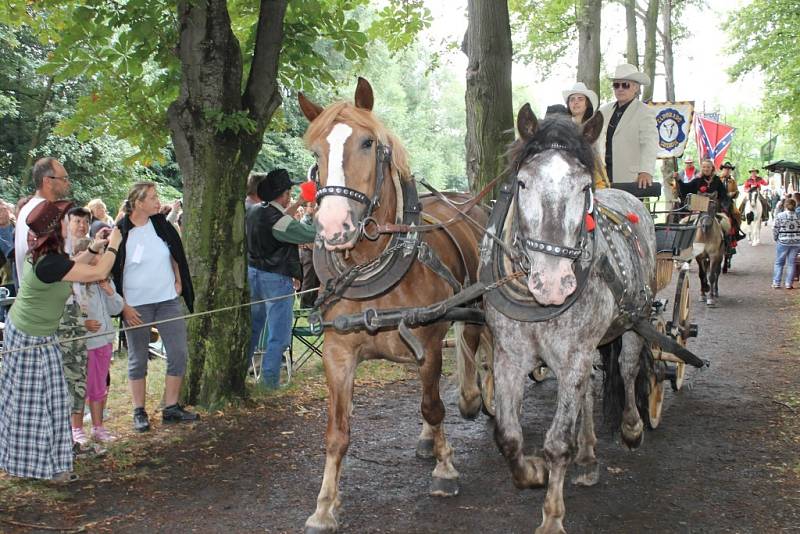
<point>52,183</point>
<point>629,140</point>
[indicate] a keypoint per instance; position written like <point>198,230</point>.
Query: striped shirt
<point>787,228</point>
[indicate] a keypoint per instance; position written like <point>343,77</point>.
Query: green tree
<point>208,74</point>
<point>764,38</point>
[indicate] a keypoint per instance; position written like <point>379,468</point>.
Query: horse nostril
<point>347,227</point>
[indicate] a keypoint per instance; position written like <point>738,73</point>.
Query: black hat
<point>727,165</point>
<point>276,182</point>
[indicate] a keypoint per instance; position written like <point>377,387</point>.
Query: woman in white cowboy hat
<point>629,140</point>
<point>581,102</point>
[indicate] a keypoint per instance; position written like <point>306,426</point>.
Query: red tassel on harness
<point>632,217</point>
<point>589,222</point>
<point>308,190</point>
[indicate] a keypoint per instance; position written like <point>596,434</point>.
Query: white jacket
<point>635,141</point>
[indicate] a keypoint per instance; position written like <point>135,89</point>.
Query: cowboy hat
<point>276,182</point>
<point>45,219</point>
<point>728,165</point>
<point>688,160</point>
<point>581,89</point>
<point>627,71</point>
<point>753,170</point>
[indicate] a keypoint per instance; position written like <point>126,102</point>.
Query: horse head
<point>354,154</point>
<point>554,163</point>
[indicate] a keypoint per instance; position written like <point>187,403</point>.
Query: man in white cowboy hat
<point>581,101</point>
<point>629,140</point>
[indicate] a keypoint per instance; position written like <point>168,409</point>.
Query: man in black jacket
<point>273,261</point>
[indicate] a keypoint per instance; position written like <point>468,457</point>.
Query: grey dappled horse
<point>554,206</point>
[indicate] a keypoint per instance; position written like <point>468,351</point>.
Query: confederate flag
<point>713,139</point>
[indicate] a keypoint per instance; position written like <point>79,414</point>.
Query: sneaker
<point>176,414</point>
<point>99,433</point>
<point>79,436</point>
<point>776,286</point>
<point>64,478</point>
<point>141,423</point>
<point>89,450</point>
<point>789,287</point>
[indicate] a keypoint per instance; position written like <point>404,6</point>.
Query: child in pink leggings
<point>101,301</point>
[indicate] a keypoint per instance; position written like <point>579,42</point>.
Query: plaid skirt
<point>35,434</point>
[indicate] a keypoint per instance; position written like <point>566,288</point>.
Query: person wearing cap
<point>629,140</point>
<point>35,437</point>
<point>152,274</point>
<point>273,261</point>
<point>51,181</point>
<point>581,103</point>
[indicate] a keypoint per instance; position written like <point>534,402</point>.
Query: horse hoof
<point>633,442</point>
<point>444,487</point>
<point>711,303</point>
<point>469,409</point>
<point>314,526</point>
<point>551,528</point>
<point>425,449</point>
<point>702,298</point>
<point>587,475</point>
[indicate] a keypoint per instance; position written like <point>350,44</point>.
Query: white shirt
<point>148,276</point>
<point>21,234</point>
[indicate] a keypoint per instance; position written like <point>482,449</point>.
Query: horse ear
<point>364,98</point>
<point>310,109</point>
<point>592,128</point>
<point>526,122</point>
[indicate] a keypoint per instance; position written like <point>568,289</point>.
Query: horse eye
<point>367,144</point>
<point>521,184</point>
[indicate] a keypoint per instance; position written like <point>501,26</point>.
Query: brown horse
<point>365,184</point>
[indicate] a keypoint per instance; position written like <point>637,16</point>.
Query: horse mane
<point>348,113</point>
<point>553,132</point>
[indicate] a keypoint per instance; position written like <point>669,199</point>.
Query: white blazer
<point>635,141</point>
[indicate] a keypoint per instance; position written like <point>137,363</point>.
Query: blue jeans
<point>784,256</point>
<point>276,314</point>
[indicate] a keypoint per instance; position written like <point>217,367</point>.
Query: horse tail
<point>613,385</point>
<point>646,369</point>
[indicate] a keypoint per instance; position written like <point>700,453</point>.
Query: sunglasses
<point>623,85</point>
<point>64,178</point>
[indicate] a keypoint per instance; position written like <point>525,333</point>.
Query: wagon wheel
<point>680,320</point>
<point>655,398</point>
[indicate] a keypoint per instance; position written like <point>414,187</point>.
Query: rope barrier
<point>116,331</point>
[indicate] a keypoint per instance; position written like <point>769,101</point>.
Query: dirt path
<point>726,457</point>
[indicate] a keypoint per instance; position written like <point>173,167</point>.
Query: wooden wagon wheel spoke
<point>655,398</point>
<point>680,324</point>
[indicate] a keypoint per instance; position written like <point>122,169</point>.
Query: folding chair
<point>302,332</point>
<point>258,356</point>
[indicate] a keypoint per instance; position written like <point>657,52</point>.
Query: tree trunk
<point>588,20</point>
<point>650,29</point>
<point>666,41</point>
<point>490,117</point>
<point>215,164</point>
<point>26,179</point>
<point>632,50</point>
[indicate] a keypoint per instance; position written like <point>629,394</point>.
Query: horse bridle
<point>527,246</point>
<point>383,154</point>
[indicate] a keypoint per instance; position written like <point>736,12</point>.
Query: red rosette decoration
<point>308,190</point>
<point>589,222</point>
<point>632,217</point>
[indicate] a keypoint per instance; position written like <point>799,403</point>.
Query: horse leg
<point>445,476</point>
<point>702,273</point>
<point>632,426</point>
<point>526,471</point>
<point>716,267</point>
<point>560,442</point>
<point>340,375</point>
<point>588,470</point>
<point>468,338</point>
